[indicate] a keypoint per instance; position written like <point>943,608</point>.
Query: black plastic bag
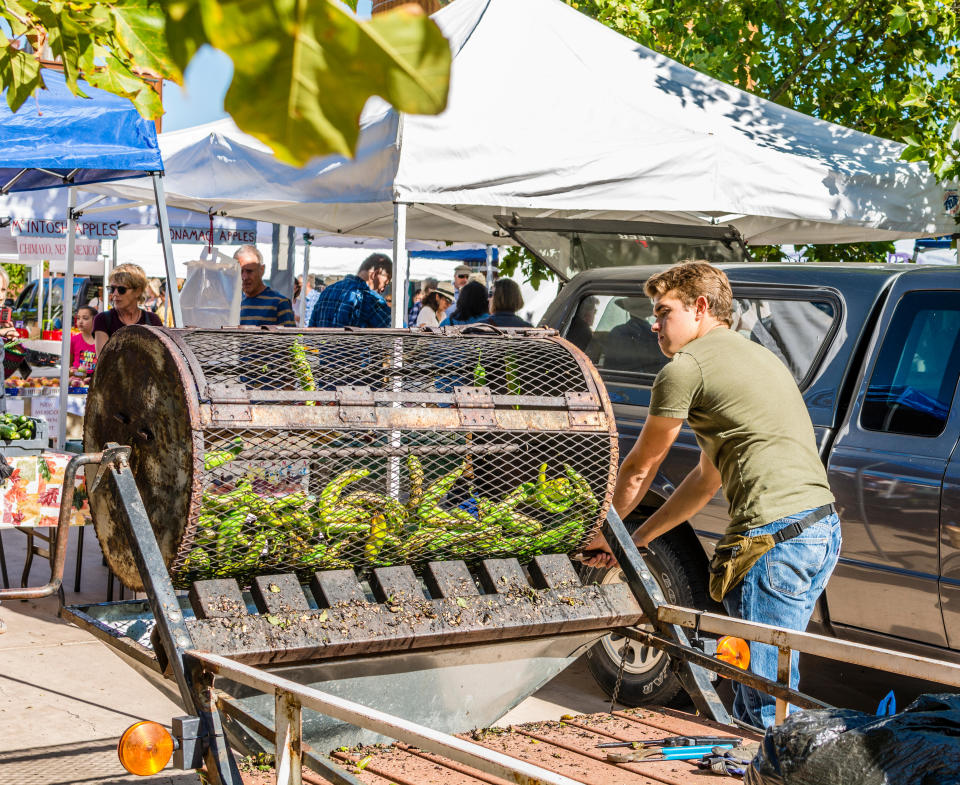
<point>918,746</point>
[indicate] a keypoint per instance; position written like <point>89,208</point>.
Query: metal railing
<point>292,698</point>
<point>788,641</point>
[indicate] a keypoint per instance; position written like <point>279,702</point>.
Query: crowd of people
<point>357,300</point>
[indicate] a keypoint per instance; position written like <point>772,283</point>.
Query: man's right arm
<point>636,475</point>
<point>377,311</point>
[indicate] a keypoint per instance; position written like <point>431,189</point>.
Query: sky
<point>208,76</point>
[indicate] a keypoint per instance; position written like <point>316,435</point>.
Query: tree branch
<point>817,51</point>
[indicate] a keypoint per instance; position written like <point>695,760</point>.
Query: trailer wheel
<point>647,677</point>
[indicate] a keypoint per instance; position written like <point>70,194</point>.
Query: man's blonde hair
<point>689,280</point>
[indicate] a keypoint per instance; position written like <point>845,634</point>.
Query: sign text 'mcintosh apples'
<point>43,227</point>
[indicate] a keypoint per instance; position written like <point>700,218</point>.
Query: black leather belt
<point>795,528</point>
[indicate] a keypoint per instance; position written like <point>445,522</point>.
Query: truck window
<point>614,331</point>
<point>794,330</point>
<point>917,367</point>
<point>615,334</point>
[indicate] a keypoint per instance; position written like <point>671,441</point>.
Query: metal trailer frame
<point>215,723</point>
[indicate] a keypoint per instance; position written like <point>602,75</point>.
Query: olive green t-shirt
<point>749,418</point>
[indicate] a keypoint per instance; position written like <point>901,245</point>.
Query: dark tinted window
<point>615,333</point>
<point>917,367</point>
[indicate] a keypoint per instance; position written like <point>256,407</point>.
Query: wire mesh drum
<point>261,451</point>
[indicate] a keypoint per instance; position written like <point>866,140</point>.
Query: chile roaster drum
<point>261,451</point>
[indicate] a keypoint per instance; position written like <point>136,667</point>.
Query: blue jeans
<point>781,589</point>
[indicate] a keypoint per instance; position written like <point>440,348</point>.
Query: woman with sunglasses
<point>125,292</point>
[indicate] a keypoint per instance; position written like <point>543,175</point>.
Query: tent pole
<point>173,293</point>
<point>399,264</point>
<point>40,299</point>
<point>489,267</point>
<point>66,320</point>
<point>307,239</point>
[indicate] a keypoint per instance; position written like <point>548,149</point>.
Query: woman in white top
<point>435,305</point>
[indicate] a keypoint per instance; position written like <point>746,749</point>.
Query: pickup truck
<point>25,308</point>
<point>875,349</point>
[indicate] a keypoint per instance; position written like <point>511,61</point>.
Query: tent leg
<point>400,272</point>
<point>173,293</point>
<point>66,320</point>
<point>304,316</point>
<point>40,288</point>
<point>489,267</point>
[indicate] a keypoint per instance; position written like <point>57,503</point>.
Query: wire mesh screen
<point>270,364</point>
<point>303,500</point>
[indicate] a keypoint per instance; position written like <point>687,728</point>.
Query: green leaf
<point>140,28</point>
<point>118,79</point>
<point>183,30</point>
<point>274,620</point>
<point>363,762</point>
<point>312,66</point>
<point>461,602</point>
<point>20,74</point>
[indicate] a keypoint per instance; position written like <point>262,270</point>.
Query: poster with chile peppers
<point>31,495</point>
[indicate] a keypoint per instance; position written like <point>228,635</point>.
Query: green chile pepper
<point>219,457</point>
<point>298,357</point>
<point>415,467</point>
<point>330,496</point>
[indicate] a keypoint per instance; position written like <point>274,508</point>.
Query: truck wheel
<point>647,677</point>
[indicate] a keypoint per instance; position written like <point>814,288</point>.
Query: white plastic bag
<point>211,294</point>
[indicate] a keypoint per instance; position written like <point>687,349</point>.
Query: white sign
<point>46,407</point>
<point>244,233</point>
<point>32,248</point>
<point>47,227</point>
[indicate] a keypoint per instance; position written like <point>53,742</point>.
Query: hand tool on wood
<point>664,753</point>
<point>673,741</point>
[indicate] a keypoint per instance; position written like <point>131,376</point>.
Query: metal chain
<point>616,688</point>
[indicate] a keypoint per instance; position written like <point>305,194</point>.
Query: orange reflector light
<point>736,651</point>
<point>145,748</point>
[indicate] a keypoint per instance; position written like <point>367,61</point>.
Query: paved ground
<point>64,697</point>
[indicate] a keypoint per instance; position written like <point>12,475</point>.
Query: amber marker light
<point>145,748</point>
<point>735,651</point>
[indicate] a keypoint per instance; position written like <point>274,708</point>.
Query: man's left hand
<point>597,554</point>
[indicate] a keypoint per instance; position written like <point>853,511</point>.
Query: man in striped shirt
<point>260,305</point>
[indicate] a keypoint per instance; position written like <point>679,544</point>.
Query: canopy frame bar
<point>453,215</point>
<point>12,181</point>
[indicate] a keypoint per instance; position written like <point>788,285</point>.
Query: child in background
<point>83,351</point>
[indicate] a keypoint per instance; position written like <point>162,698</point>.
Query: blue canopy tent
<point>60,140</point>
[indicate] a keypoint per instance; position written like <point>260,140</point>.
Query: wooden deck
<point>567,747</point>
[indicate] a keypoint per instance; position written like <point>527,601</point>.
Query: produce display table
<point>41,392</point>
<point>44,403</point>
<point>30,500</point>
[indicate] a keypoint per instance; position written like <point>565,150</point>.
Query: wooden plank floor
<point>566,747</point>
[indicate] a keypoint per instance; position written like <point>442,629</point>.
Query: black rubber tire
<point>654,683</point>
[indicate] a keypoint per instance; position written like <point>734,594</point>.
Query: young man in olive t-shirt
<point>756,441</point>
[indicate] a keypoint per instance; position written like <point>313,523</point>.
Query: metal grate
<point>302,500</point>
<point>268,366</point>
<point>281,450</point>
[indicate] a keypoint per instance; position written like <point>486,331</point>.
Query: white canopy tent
<point>578,121</point>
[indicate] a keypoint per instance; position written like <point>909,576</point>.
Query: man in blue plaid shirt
<point>356,301</point>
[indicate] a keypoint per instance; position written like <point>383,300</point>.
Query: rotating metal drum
<point>262,451</point>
